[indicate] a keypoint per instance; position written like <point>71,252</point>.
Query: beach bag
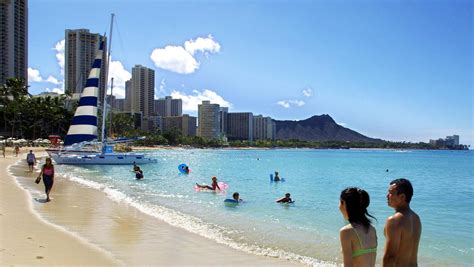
<point>38,179</point>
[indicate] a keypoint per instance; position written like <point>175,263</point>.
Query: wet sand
<point>111,233</point>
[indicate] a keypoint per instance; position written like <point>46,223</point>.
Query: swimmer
<point>236,197</point>
<point>138,173</point>
<point>135,167</point>
<point>186,170</point>
<point>277,177</point>
<point>213,186</point>
<point>285,199</point>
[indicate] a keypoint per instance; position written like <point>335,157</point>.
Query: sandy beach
<point>82,226</point>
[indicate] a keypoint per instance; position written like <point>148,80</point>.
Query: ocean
<point>308,230</point>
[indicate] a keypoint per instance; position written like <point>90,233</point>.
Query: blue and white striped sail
<point>84,124</point>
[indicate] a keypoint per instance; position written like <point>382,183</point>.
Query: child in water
<point>213,186</point>
<point>138,173</point>
<point>285,199</point>
<point>277,177</point>
<point>236,197</point>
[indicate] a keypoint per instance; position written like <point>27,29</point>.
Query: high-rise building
<point>119,104</point>
<point>128,96</point>
<point>80,49</point>
<point>14,40</point>
<point>185,124</point>
<point>167,107</point>
<point>263,128</point>
<point>208,120</point>
<point>240,126</point>
<point>143,94</point>
<point>452,141</point>
<point>223,119</point>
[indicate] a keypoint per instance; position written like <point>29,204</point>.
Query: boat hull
<point>102,159</point>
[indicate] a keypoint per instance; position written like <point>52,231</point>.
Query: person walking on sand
<point>31,160</point>
<point>403,229</point>
<point>48,177</point>
<point>3,150</point>
<point>358,238</point>
<point>17,150</point>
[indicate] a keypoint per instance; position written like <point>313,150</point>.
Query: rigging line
<point>125,60</point>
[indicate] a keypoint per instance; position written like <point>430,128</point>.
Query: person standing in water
<point>358,238</point>
<point>31,160</point>
<point>285,199</point>
<point>277,177</point>
<point>403,229</point>
<point>138,173</point>
<point>48,177</point>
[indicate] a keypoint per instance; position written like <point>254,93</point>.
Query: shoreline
<point>28,239</point>
<point>128,236</point>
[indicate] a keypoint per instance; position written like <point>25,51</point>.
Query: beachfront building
<point>263,128</point>
<point>240,126</point>
<point>167,107</point>
<point>185,124</point>
<point>208,120</point>
<point>223,111</point>
<point>142,95</point>
<point>80,48</point>
<point>119,104</point>
<point>127,106</point>
<point>14,40</point>
<point>452,141</point>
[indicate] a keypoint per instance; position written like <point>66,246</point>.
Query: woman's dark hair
<point>357,200</point>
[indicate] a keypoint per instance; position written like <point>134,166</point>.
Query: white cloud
<point>307,92</point>
<point>343,124</point>
<point>175,59</point>
<point>298,103</point>
<point>59,48</point>
<point>284,104</point>
<point>289,103</point>
<point>181,59</point>
<point>191,101</point>
<point>55,90</point>
<point>34,75</point>
<point>53,80</point>
<point>205,45</point>
<point>162,86</point>
<point>120,75</point>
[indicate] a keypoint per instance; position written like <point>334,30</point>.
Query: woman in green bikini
<point>358,238</point>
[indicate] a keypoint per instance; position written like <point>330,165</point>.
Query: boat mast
<point>111,105</point>
<point>106,76</point>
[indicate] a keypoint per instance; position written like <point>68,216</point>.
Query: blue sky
<point>396,70</point>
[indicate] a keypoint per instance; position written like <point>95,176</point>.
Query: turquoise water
<point>306,231</point>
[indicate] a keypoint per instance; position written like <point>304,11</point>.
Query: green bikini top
<point>359,252</point>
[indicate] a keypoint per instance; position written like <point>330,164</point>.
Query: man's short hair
<point>403,186</point>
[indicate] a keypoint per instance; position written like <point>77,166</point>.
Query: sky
<point>395,70</point>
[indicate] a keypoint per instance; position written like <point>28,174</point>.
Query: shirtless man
<point>403,229</point>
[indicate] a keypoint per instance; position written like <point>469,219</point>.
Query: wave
<point>195,225</point>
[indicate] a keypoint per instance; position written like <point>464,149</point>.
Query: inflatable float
<point>223,186</point>
<point>271,179</point>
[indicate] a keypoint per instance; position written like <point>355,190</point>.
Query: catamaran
<point>80,145</point>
